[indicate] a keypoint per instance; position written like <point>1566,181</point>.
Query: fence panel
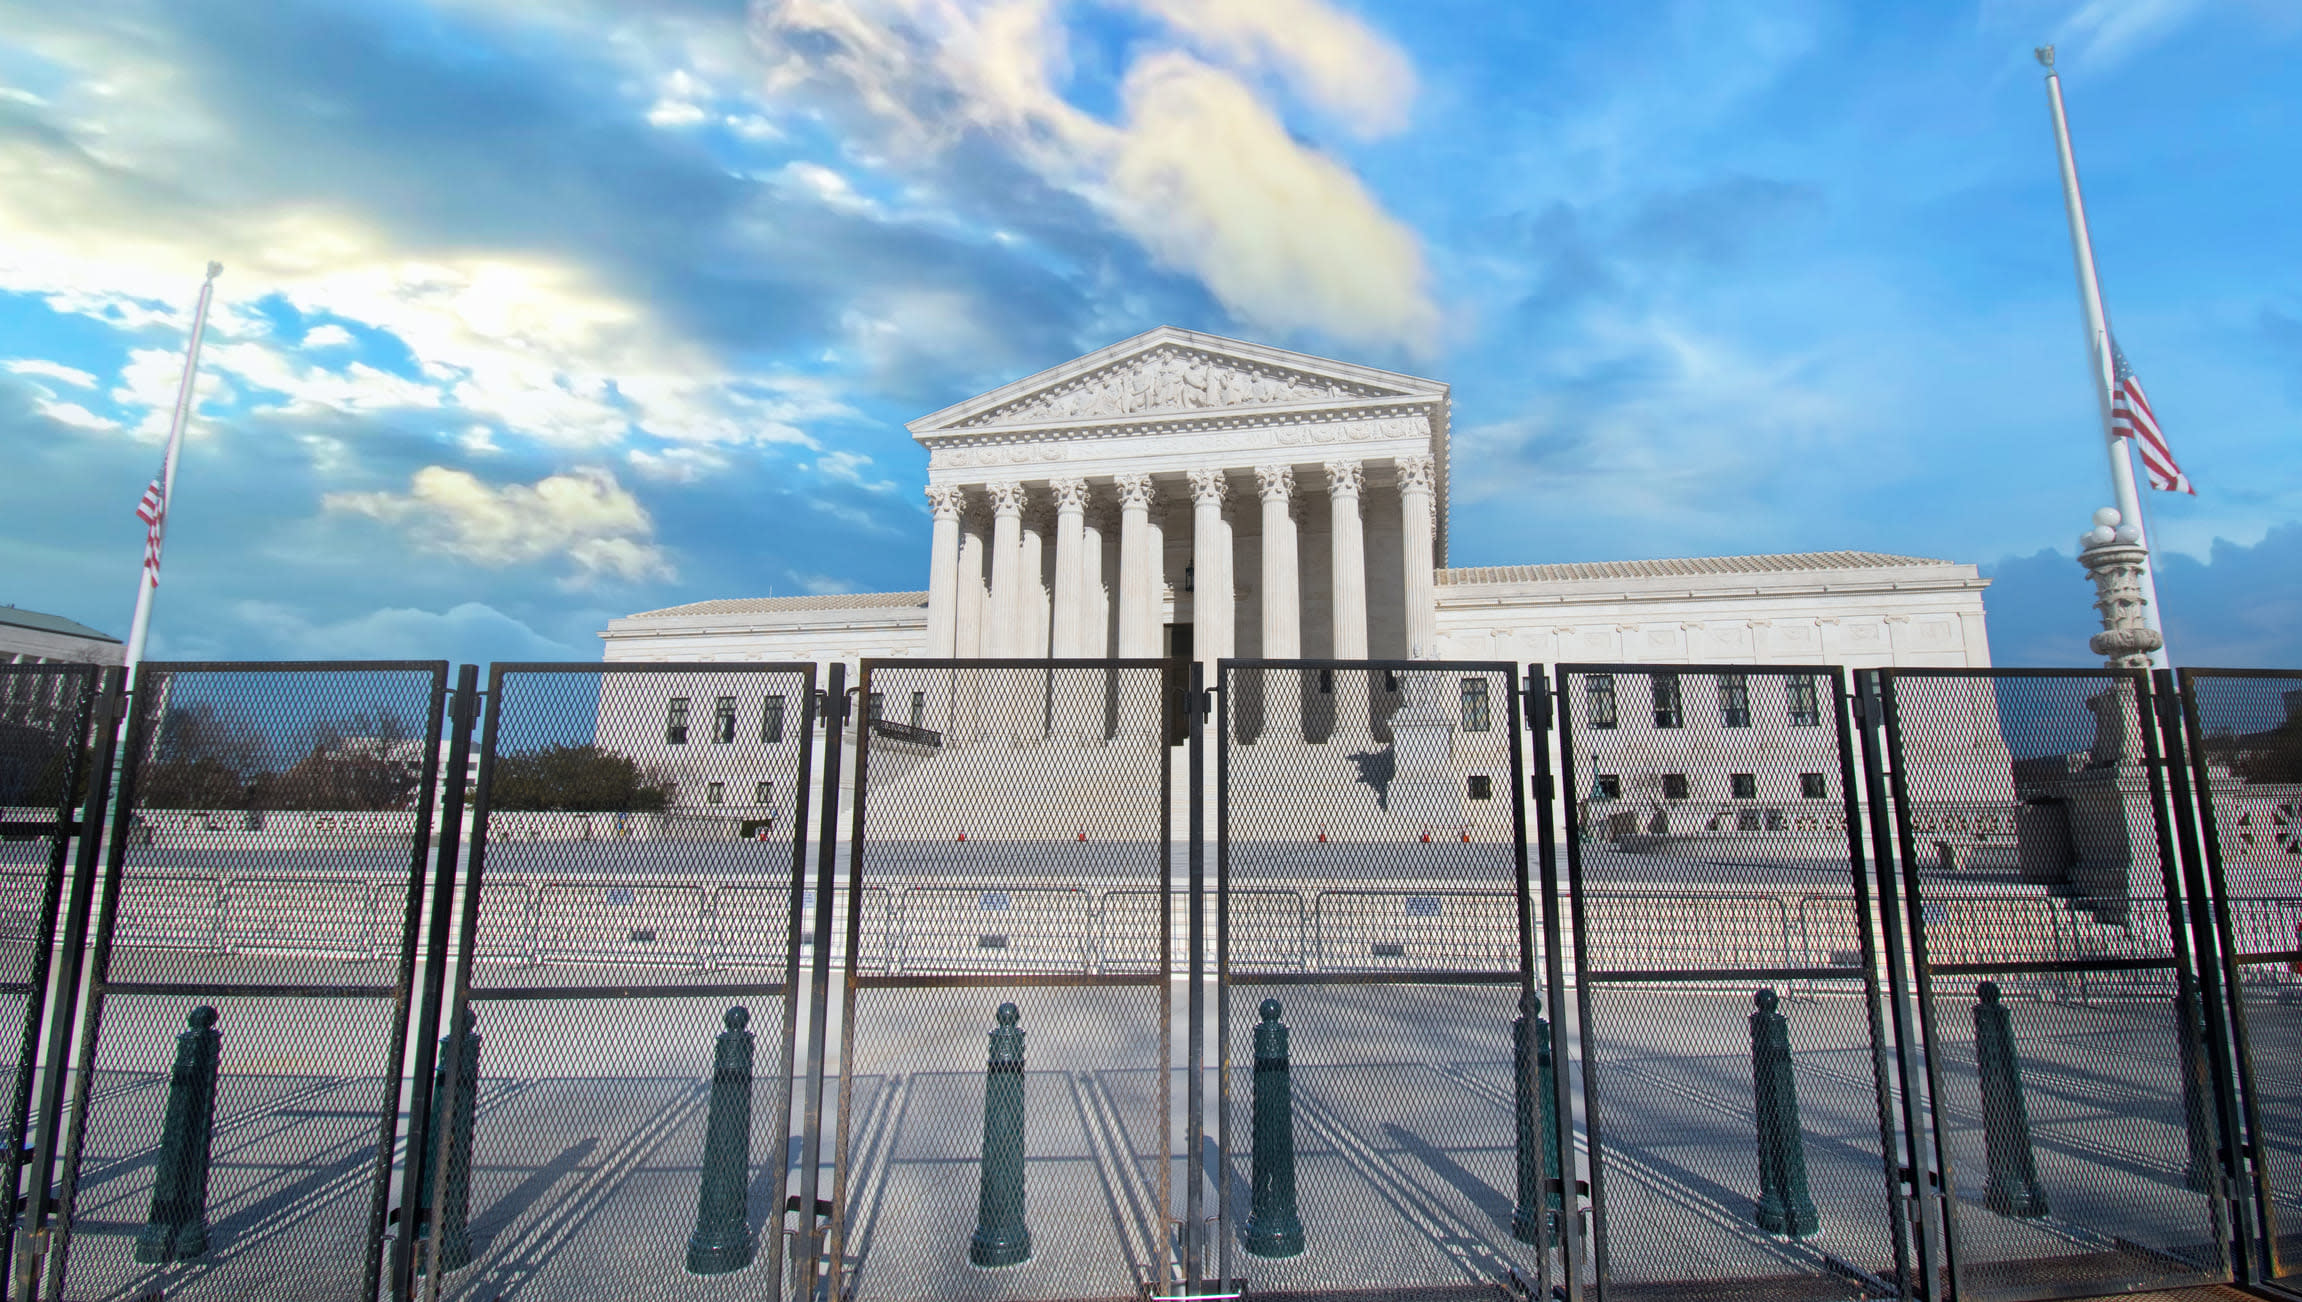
<point>2074,1129</point>
<point>1716,864</point>
<point>1015,833</point>
<point>1378,1120</point>
<point>237,1105</point>
<point>2244,741</point>
<point>611,1113</point>
<point>45,768</point>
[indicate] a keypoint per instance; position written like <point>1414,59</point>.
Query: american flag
<point>152,510</point>
<point>2130,418</point>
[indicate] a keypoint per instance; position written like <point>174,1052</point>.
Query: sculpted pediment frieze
<point>1169,379</point>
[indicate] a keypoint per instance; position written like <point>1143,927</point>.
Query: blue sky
<point>538,312</point>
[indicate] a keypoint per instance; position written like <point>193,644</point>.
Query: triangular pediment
<point>1173,372</point>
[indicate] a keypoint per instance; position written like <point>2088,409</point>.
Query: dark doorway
<point>1179,641</point>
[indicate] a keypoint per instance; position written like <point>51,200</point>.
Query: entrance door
<point>1178,641</point>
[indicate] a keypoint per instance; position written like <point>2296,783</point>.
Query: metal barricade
<point>240,1062</point>
<point>1012,797</point>
<point>1380,1116</point>
<point>1740,1118</point>
<point>2073,1110</point>
<point>612,1090</point>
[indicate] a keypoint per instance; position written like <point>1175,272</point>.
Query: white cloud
<point>71,375</point>
<point>1198,167</point>
<point>848,467</point>
<point>474,629</point>
<point>2104,32</point>
<point>584,515</point>
<point>75,415</point>
<point>327,336</point>
<point>680,465</point>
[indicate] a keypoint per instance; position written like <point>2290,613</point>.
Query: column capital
<point>1418,474</point>
<point>949,500</point>
<point>1210,485</point>
<point>1345,478</point>
<point>1136,490</point>
<point>1275,483</point>
<point>1006,497</point>
<point>1070,494</point>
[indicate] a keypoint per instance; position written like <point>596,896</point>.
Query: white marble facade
<point>1096,508</point>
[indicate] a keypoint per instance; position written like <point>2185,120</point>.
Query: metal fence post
<point>447,1196</point>
<point>177,1229</point>
<point>1001,1237</point>
<point>2013,1186</point>
<point>722,1239</point>
<point>1785,1205</point>
<point>1273,1228</point>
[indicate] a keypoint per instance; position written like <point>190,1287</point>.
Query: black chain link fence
<point>2074,1135</point>
<point>1373,902</point>
<point>626,961</point>
<point>1733,1047</point>
<point>1010,847</point>
<point>2244,738</point>
<point>237,1106</point>
<point>46,765</point>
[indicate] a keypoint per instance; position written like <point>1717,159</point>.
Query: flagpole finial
<point>215,269</point>
<point>2045,55</point>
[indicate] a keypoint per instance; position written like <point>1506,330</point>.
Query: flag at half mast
<point>2131,418</point>
<point>153,511</point>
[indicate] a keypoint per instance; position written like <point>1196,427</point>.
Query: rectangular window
<point>771,720</point>
<point>1482,787</point>
<point>723,720</point>
<point>1476,715</point>
<point>876,708</point>
<point>715,793</point>
<point>1734,700</point>
<point>1805,701</point>
<point>1609,786</point>
<point>675,722</point>
<point>763,794</point>
<point>1745,786</point>
<point>1812,786</point>
<point>1674,786</point>
<point>1599,700</point>
<point>919,709</point>
<point>1670,709</point>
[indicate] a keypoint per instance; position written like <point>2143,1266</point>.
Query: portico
<point>1273,504</point>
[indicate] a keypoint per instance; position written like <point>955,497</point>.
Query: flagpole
<point>2098,352</point>
<point>148,578</point>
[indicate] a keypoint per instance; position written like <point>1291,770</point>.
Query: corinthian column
<point>1094,593</point>
<point>1069,631</point>
<point>1344,481</point>
<point>1003,640</point>
<point>1031,600</point>
<point>1282,582</point>
<point>974,541</point>
<point>1418,530</point>
<point>1211,558</point>
<point>943,572</point>
<point>1138,571</point>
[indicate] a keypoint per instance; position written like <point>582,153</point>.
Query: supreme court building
<point>1184,494</point>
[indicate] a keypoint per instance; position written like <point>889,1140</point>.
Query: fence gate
<point>1003,1124</point>
<point>2244,738</point>
<point>1382,1104</point>
<point>46,712</point>
<point>2074,1127</point>
<point>611,1110</point>
<point>238,1095</point>
<point>1734,1053</point>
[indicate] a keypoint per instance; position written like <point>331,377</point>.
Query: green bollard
<point>1784,1204</point>
<point>722,1239</point>
<point>1538,1188</point>
<point>2013,1189</point>
<point>1001,1237</point>
<point>2198,1174</point>
<point>456,1196</point>
<point>177,1229</point>
<point>1273,1228</point>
